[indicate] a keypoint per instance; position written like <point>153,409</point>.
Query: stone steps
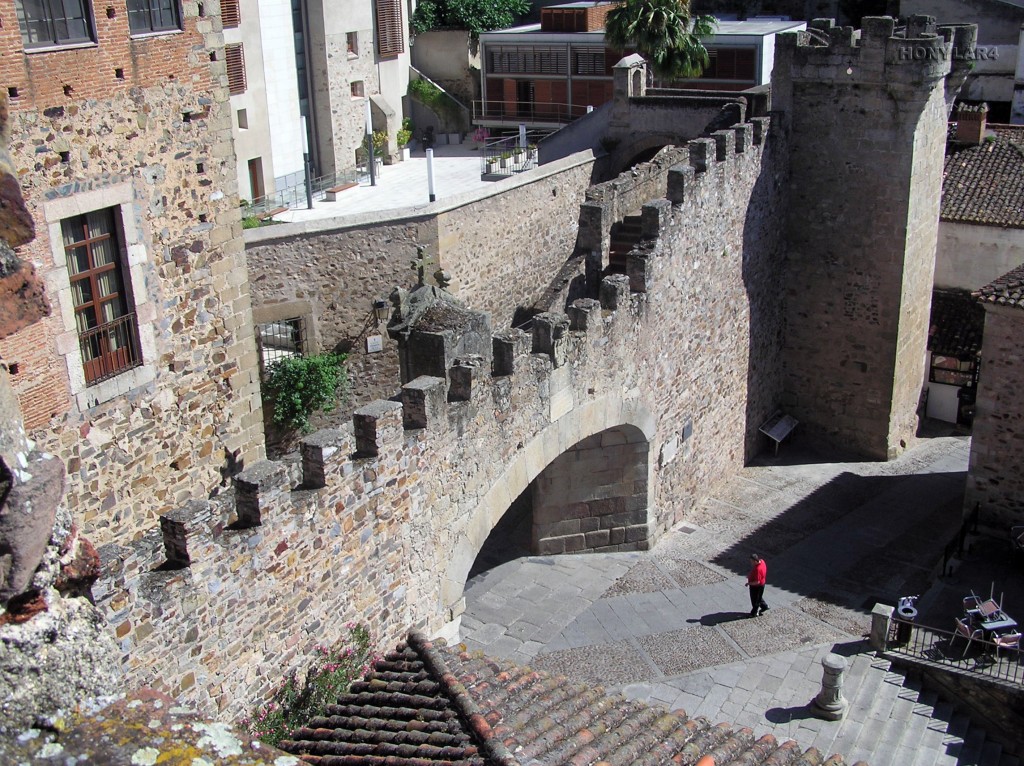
<point>624,237</point>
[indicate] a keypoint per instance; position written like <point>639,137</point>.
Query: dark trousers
<point>757,601</point>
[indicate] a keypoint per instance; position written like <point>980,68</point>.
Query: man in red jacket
<point>756,578</point>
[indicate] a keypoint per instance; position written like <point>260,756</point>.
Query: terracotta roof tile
<point>984,184</point>
<point>426,705</point>
<point>957,324</point>
<point>1008,290</point>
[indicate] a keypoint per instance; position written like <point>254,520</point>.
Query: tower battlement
<point>917,53</point>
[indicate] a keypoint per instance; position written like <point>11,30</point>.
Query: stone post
<point>830,703</point>
<point>262,485</point>
<point>881,618</point>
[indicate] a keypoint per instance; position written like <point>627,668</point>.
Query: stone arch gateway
<point>622,430</point>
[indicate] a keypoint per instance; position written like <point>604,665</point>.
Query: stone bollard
<point>881,618</point>
<point>830,703</point>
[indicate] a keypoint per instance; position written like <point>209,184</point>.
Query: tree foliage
<point>664,32</point>
<point>302,385</point>
<point>475,15</point>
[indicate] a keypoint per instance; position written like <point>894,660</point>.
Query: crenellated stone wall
<point>501,250</point>
<point>388,513</point>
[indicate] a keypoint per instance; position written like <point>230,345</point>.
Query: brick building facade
<point>143,378</point>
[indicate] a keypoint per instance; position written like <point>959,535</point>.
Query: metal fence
<point>937,647</point>
<point>507,156</point>
<point>295,196</point>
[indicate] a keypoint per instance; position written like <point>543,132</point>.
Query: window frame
<point>54,40</point>
<point>149,9</point>
<point>137,270</point>
<point>104,360</point>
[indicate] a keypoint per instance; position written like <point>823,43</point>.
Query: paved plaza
<point>671,626</point>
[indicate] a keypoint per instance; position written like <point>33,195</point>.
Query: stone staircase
<point>907,725</point>
<point>624,237</point>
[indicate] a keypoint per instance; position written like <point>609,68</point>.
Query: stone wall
<point>994,479</point>
<point>139,127</point>
<point>393,509</point>
<point>501,250</point>
<point>862,222</point>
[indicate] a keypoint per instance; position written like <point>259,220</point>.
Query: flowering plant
<point>298,699</point>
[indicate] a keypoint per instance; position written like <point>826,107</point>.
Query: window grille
<point>527,60</point>
<point>588,62</point>
<point>230,13</point>
<point>153,16</point>
<point>283,339</point>
<point>107,331</point>
<point>234,57</point>
<point>54,22</point>
<point>390,34</point>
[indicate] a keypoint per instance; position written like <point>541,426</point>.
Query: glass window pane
<point>85,319</point>
<point>78,260</point>
<point>81,292</point>
<point>72,230</point>
<point>100,223</point>
<point>103,253</point>
<point>107,284</point>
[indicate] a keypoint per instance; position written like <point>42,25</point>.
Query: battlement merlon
<point>918,54</point>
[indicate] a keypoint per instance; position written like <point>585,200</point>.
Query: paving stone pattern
<point>671,626</point>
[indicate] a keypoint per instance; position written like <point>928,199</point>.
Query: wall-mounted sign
<point>374,343</point>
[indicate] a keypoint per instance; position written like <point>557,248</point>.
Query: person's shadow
<point>710,620</point>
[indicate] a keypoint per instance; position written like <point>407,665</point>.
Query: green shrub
<point>297,700</point>
<point>251,222</point>
<point>302,385</point>
<point>437,101</point>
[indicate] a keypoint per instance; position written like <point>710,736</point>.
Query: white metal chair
<point>963,629</point>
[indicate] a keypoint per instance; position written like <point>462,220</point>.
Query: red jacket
<point>758,574</point>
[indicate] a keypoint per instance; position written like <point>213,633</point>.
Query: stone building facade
<point>994,479</point>
<point>143,378</point>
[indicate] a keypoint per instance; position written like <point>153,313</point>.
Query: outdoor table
<point>998,623</point>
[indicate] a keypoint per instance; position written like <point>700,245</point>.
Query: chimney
<point>970,123</point>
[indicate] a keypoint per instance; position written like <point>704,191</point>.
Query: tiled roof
<point>957,324</point>
<point>984,184</point>
<point>1008,290</point>
<point>425,704</point>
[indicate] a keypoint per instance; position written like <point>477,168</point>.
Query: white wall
<point>282,90</point>
<point>969,256</point>
<point>253,141</point>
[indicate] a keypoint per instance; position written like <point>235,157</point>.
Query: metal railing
<point>507,156</point>
<point>513,113</point>
<point>110,349</point>
<point>295,196</point>
<point>936,647</point>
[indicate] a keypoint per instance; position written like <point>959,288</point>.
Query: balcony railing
<point>502,112</point>
<point>110,349</point>
<point>508,156</point>
<point>936,647</point>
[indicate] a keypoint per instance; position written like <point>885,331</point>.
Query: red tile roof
<point>425,704</point>
<point>1008,290</point>
<point>984,184</point>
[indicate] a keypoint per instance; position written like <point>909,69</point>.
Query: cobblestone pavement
<point>672,625</point>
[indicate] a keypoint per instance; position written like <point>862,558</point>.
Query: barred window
<point>230,13</point>
<point>234,57</point>
<point>54,22</point>
<point>390,33</point>
<point>283,339</point>
<point>107,331</point>
<point>153,16</point>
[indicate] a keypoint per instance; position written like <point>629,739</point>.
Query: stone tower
<point>865,112</point>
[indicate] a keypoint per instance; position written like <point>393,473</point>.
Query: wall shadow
<point>857,540</point>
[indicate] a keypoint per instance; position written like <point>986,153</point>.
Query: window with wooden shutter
<point>235,59</point>
<point>230,14</point>
<point>390,33</point>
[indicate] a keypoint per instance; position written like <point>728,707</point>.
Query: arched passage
<point>622,429</point>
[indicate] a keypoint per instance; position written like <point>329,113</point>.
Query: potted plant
<point>503,159</point>
<point>491,164</point>
<point>532,154</point>
<point>404,136</point>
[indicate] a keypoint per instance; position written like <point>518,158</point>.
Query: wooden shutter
<point>390,33</point>
<point>230,14</point>
<point>235,59</point>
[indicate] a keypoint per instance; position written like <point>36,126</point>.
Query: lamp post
<point>369,143</point>
<point>430,175</point>
<point>306,168</point>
